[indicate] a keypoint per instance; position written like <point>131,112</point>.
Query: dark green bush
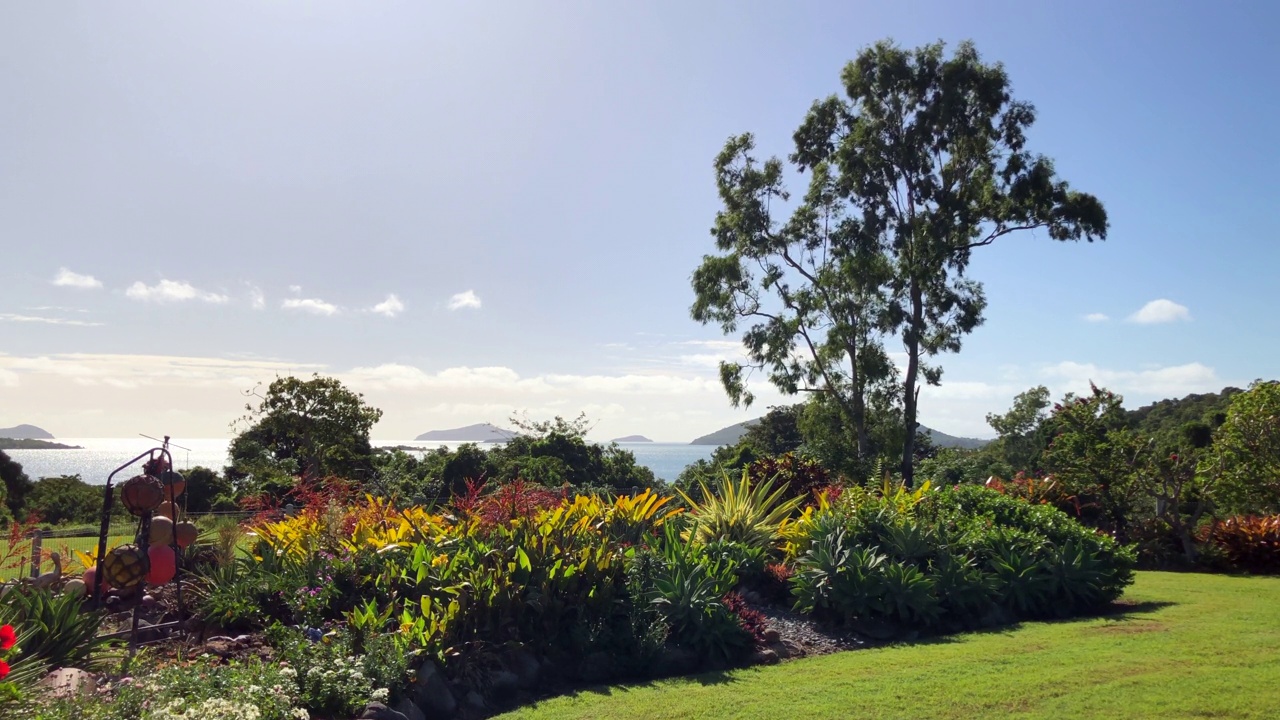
<point>959,558</point>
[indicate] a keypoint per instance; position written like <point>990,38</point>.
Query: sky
<point>467,210</point>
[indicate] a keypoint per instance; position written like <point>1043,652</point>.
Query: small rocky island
<point>632,439</point>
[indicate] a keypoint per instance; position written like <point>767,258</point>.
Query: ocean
<point>101,456</point>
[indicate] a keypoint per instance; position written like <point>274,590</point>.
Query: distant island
<point>482,432</point>
<point>632,439</point>
<point>25,432</point>
<point>26,444</point>
<point>734,433</point>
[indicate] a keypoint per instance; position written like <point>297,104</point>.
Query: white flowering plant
<point>331,679</point>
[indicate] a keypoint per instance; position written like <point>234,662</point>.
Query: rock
<point>242,639</point>
<point>503,685</point>
<point>69,683</point>
<point>409,710</point>
<point>788,649</point>
<point>764,656</point>
<point>752,597</point>
<point>597,667</point>
<point>431,694</point>
<point>772,636</point>
<point>526,668</point>
<point>221,646</point>
<point>378,711</point>
<point>676,661</point>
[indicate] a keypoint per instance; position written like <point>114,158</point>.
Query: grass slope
<point>1190,646</point>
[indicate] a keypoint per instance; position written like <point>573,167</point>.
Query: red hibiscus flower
<point>7,637</point>
<point>4,669</point>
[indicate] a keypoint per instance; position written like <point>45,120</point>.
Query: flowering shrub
<point>195,690</point>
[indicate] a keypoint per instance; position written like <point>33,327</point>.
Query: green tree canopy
<point>16,484</point>
<point>304,428</point>
<point>1246,450</point>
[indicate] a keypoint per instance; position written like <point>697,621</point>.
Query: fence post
<point>37,538</point>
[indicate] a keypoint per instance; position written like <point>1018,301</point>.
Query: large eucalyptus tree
<point>922,161</point>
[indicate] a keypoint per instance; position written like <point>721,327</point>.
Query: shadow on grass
<point>1119,611</point>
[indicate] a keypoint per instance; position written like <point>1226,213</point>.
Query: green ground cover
<point>1188,645</point>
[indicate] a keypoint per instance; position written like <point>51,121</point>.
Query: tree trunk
<point>910,391</point>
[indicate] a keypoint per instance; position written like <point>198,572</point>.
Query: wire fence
<point>33,554</point>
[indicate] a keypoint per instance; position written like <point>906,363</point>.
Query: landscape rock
<point>69,683</point>
<point>764,656</point>
<point>409,710</point>
<point>525,666</point>
<point>431,694</point>
<point>597,667</point>
<point>772,636</point>
<point>676,661</point>
<point>503,684</point>
<point>378,711</point>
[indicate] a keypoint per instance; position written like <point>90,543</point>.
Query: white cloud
<point>172,291</point>
<point>66,278</point>
<point>295,289</point>
<point>10,317</point>
<point>389,307</point>
<point>466,299</point>
<point>256,299</point>
<point>315,306</point>
<point>1161,311</point>
<point>1096,317</point>
<point>1156,383</point>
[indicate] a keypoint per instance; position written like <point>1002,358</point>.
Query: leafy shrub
<point>688,590</point>
<point>55,628</point>
<point>1249,542</point>
<point>741,511</point>
<point>943,559</point>
<point>751,620</point>
<point>796,475</point>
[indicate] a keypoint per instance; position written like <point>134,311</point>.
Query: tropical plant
<point>740,511</point>
<point>1249,542</point>
<point>55,628</point>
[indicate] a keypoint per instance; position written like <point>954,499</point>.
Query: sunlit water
<point>101,456</point>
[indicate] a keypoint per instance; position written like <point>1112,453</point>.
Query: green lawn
<point>1192,646</point>
<point>17,560</point>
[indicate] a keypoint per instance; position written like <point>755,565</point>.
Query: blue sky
<point>465,209</point>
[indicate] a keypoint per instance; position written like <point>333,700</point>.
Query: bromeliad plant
<point>740,511</point>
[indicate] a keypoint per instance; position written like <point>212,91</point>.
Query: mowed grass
<point>1190,646</point>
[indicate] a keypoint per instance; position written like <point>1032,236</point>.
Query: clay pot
<point>168,509</point>
<point>75,587</point>
<point>163,564</point>
<point>186,534</point>
<point>174,484</point>
<point>141,494</point>
<point>88,580</point>
<point>161,531</point>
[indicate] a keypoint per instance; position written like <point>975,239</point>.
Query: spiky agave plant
<point>740,512</point>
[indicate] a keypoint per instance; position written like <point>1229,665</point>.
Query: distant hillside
<point>734,433</point>
<point>24,444</point>
<point>1167,419</point>
<point>26,432</point>
<point>632,439</point>
<point>941,439</point>
<point>483,432</point>
<point>725,436</point>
